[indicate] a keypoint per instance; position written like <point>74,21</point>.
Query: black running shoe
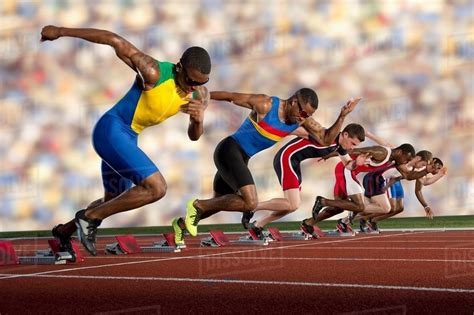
<point>65,244</point>
<point>257,230</point>
<point>86,231</point>
<point>341,226</point>
<point>308,229</point>
<point>317,206</point>
<point>363,225</point>
<point>373,227</point>
<point>246,217</point>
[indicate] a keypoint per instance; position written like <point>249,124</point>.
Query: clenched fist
<point>50,32</point>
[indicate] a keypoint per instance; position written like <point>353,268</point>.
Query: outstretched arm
<point>260,103</point>
<point>414,174</point>
<point>327,136</point>
<point>145,66</point>
<point>433,179</point>
<point>378,140</point>
<point>421,199</point>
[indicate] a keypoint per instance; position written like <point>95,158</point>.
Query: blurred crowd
<point>411,61</point>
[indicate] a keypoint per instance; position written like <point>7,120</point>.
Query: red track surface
<point>394,273</point>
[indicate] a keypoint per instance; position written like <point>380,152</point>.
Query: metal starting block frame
<point>368,232</point>
<point>275,234</point>
<point>336,233</point>
<point>127,244</point>
<point>218,238</point>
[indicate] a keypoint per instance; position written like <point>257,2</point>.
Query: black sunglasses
<point>303,114</point>
<point>189,81</point>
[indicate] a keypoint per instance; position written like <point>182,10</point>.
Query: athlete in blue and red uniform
<point>271,119</point>
<point>161,90</point>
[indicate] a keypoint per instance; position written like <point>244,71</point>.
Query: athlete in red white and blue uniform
<point>287,164</point>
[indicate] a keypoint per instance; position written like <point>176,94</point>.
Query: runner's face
<point>299,111</point>
<point>421,164</point>
<point>347,142</point>
<point>189,79</point>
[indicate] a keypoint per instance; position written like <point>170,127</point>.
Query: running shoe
<point>192,218</point>
<point>363,225</point>
<point>178,233</point>
<point>87,231</point>
<point>341,226</point>
<point>65,242</point>
<point>246,217</point>
<point>258,231</point>
<point>308,229</point>
<point>317,206</point>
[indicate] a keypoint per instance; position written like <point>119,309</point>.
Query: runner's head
<point>438,164</point>
<point>425,156</point>
<point>403,153</point>
<point>301,105</point>
<point>193,69</point>
<point>351,136</point>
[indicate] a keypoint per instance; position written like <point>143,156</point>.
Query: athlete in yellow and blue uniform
<point>161,90</point>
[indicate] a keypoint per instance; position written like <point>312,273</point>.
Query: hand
<point>349,107</point>
<point>204,95</point>
<point>443,171</point>
<point>50,32</point>
<point>429,213</point>
<point>363,159</point>
<point>195,109</point>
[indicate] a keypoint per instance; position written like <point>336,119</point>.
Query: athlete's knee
<point>294,205</point>
<point>158,192</point>
<point>359,207</point>
<point>386,209</point>
<point>156,187</point>
<point>250,203</point>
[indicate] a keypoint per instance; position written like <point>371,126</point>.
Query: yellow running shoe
<point>178,234</point>
<point>192,218</point>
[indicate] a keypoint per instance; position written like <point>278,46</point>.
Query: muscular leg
<point>353,203</point>
<point>397,207</point>
<point>280,206</point>
<point>148,191</point>
<point>245,201</point>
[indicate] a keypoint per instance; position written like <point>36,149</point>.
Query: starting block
<point>218,238</point>
<point>275,234</point>
<point>168,242</point>
<point>53,255</point>
<point>7,254</point>
<point>127,244</point>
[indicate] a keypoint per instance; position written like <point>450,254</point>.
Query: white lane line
<point>383,248</point>
<point>187,257</point>
<point>317,259</point>
<point>262,282</point>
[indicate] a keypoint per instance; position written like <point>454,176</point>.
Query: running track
<point>390,273</point>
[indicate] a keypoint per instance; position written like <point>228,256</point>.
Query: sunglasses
<point>302,113</point>
<point>191,82</point>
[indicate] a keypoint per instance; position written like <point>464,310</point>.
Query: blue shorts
<point>123,162</point>
<point>396,191</point>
